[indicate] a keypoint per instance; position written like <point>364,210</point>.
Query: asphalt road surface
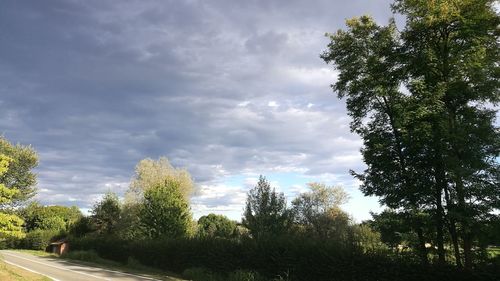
<point>60,270</point>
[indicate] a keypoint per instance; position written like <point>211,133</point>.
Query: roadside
<point>89,258</point>
<point>13,273</point>
<point>63,269</point>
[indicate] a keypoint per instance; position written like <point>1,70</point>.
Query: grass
<point>37,253</point>
<point>91,258</point>
<point>13,273</point>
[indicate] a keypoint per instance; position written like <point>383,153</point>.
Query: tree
<point>265,211</point>
<point>41,217</point>
<point>319,211</point>
<point>10,225</point>
<point>81,227</point>
<point>165,211</point>
<point>129,227</point>
<point>150,173</point>
<point>106,214</point>
<point>417,99</point>
<point>213,225</point>
<point>452,49</point>
<point>20,175</point>
<point>391,226</point>
<point>367,238</point>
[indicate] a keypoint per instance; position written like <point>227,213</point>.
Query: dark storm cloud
<point>219,87</point>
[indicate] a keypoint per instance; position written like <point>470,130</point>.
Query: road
<point>61,270</point>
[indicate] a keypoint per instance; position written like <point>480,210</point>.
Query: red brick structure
<point>58,247</point>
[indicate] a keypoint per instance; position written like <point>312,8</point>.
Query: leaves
<point>265,210</point>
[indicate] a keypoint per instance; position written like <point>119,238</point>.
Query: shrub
<point>39,239</point>
<point>90,256</point>
<point>203,274</point>
<point>278,258</point>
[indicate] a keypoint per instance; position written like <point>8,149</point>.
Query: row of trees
<point>420,98</point>
<point>315,213</point>
<point>157,207</point>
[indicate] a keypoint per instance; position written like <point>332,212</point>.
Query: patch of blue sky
<point>291,184</point>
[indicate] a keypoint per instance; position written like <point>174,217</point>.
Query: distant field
<point>13,273</point>
<point>493,252</point>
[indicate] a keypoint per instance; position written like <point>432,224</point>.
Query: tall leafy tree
<point>417,99</point>
<point>41,217</point>
<point>10,225</point>
<point>106,214</point>
<point>213,225</point>
<point>367,56</point>
<point>150,173</point>
<point>165,211</point>
<point>452,49</point>
<point>20,175</point>
<point>319,211</point>
<point>265,211</point>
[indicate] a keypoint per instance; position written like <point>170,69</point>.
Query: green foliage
<point>106,213</point>
<point>81,227</point>
<point>203,274</point>
<point>213,225</point>
<point>368,239</point>
<point>416,97</point>
<point>318,212</point>
<point>88,256</point>
<point>391,226</point>
<point>10,225</point>
<point>165,211</point>
<point>129,226</point>
<point>40,239</point>
<point>291,258</point>
<point>265,211</point>
<point>19,176</point>
<point>6,194</point>
<point>489,233</point>
<point>41,217</point>
<point>151,173</point>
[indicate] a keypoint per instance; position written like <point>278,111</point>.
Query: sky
<point>227,89</point>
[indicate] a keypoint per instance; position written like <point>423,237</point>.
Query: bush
<point>203,274</point>
<point>11,242</point>
<point>39,239</point>
<point>278,258</point>
<point>90,256</point>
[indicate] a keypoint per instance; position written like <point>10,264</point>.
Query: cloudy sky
<point>227,89</point>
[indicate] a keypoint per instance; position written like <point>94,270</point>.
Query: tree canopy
<point>20,175</point>
<point>265,211</point>
<point>150,173</point>
<point>10,225</point>
<point>418,98</point>
<point>165,211</point>
<point>213,225</point>
<point>106,213</point>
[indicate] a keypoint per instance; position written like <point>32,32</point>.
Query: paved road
<point>60,270</point>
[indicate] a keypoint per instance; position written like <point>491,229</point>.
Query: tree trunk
<point>421,245</point>
<point>466,228</point>
<point>441,184</point>
<point>439,228</point>
<point>453,228</point>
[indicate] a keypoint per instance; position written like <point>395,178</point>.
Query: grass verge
<point>37,253</point>
<point>493,252</point>
<point>13,273</point>
<point>90,258</point>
